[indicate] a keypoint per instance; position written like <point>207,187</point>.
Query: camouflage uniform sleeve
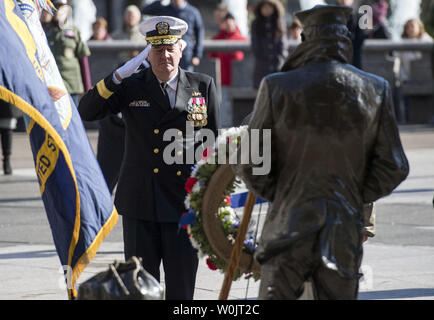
<point>82,50</point>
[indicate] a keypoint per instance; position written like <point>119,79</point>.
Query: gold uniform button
<point>156,131</point>
<point>156,170</point>
<point>156,150</point>
<point>178,173</point>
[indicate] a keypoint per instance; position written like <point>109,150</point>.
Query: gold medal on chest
<point>197,110</point>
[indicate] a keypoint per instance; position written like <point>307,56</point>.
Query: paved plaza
<point>398,262</point>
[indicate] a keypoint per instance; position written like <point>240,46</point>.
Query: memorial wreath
<point>199,215</point>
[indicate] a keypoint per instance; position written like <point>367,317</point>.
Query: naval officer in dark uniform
<point>150,194</point>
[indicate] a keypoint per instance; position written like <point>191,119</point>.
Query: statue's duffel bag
<point>123,281</point>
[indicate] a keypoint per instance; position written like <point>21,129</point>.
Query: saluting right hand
<point>132,65</point>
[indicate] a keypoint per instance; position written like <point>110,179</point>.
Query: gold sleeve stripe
<point>102,90</point>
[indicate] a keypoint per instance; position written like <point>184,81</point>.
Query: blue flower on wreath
<point>188,218</point>
<point>250,244</point>
<point>235,225</point>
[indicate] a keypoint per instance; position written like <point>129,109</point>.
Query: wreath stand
<point>232,254</point>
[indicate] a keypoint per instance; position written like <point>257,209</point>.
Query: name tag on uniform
<point>140,103</point>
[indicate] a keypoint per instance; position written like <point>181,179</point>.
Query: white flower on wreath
<point>211,159</point>
<point>194,243</point>
<point>187,202</point>
<point>232,133</point>
<point>200,163</point>
<point>194,171</point>
<point>231,217</point>
<point>196,187</point>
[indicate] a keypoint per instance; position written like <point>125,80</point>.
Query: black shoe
<point>7,169</point>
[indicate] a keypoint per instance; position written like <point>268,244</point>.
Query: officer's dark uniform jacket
<point>148,188</point>
<point>334,147</point>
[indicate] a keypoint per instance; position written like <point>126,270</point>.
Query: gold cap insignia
<point>162,28</point>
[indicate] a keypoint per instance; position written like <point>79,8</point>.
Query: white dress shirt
<point>172,85</point>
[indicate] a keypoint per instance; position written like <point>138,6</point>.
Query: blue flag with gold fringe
<point>77,201</point>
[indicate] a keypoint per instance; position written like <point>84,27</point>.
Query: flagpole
<point>236,251</point>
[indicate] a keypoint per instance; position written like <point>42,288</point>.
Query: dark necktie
<point>166,95</point>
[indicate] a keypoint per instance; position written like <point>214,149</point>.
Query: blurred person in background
<point>8,122</point>
<point>219,14</point>
<point>130,28</point>
<point>380,30</point>
<point>129,31</point>
<point>268,34</point>
<point>69,51</point>
<point>357,35</point>
<point>46,19</point>
<point>195,33</point>
<point>99,28</point>
<point>228,31</point>
<point>414,30</point>
<point>294,31</point>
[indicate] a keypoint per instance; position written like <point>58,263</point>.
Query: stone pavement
<point>398,262</point>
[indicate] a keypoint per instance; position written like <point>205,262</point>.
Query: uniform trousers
<point>283,276</point>
<point>156,242</point>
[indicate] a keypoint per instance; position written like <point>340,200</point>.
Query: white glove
<point>132,65</point>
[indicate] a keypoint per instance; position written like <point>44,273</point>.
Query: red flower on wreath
<point>190,184</point>
<point>228,200</point>
<point>210,264</point>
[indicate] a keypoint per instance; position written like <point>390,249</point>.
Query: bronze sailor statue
<point>335,147</point>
